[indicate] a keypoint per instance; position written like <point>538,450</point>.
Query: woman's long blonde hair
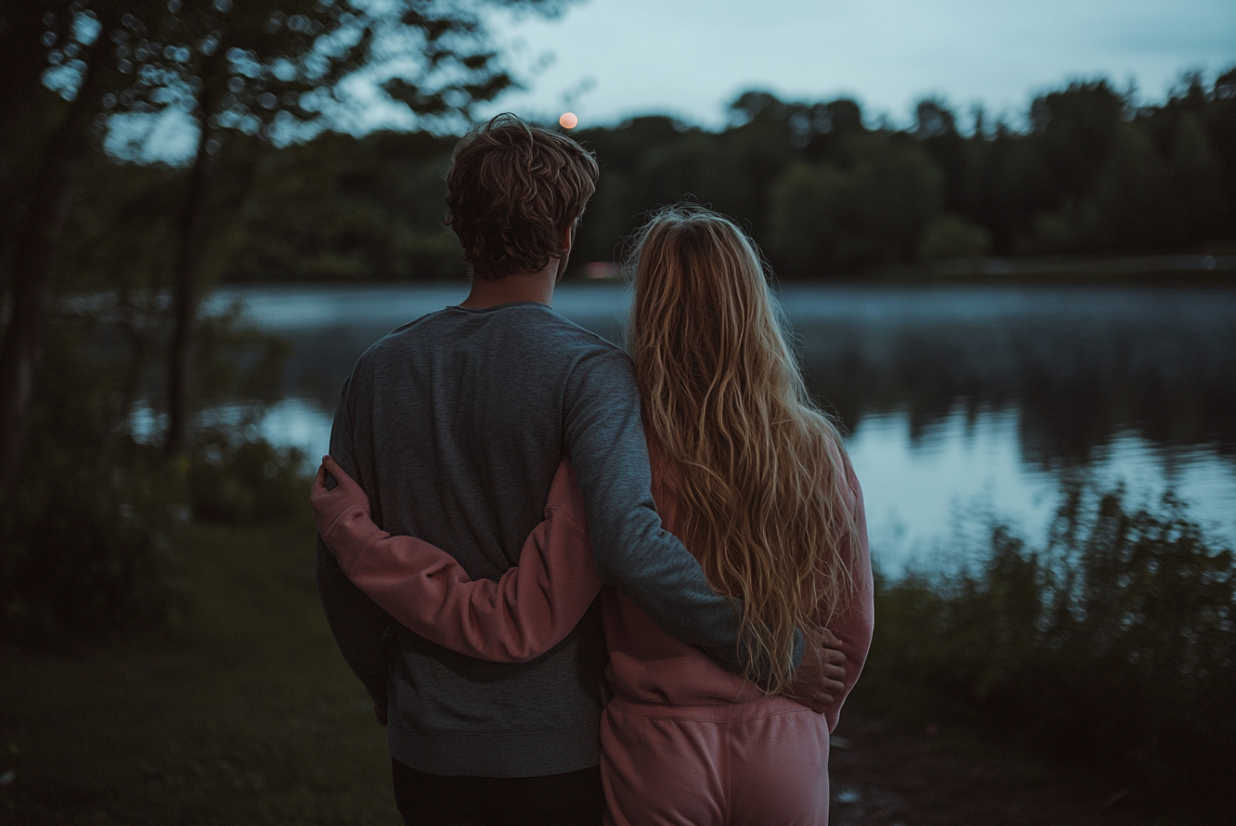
<point>754,464</point>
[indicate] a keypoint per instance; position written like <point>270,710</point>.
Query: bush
<point>238,478</point>
<point>1114,642</point>
<point>952,237</point>
<point>89,526</point>
<point>825,218</point>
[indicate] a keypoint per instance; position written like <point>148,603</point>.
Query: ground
<point>244,713</point>
<point>886,774</point>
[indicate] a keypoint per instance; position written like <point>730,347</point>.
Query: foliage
<point>88,528</point>
<point>371,210</point>
<point>825,193</point>
<point>871,213</point>
<point>949,236</point>
<point>88,514</point>
<point>1195,200</point>
<point>268,70</point>
<point>809,201</point>
<point>820,190</point>
<point>1114,642</point>
<point>92,524</point>
<point>265,68</point>
<point>1076,128</point>
<point>236,477</point>
<point>1128,196</point>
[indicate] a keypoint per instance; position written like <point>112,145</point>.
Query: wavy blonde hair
<point>755,465</point>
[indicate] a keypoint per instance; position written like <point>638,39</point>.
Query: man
<point>454,425</point>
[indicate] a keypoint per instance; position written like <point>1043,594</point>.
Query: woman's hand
<point>335,507</point>
<point>820,678</point>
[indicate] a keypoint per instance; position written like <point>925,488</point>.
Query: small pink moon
<point>568,121</point>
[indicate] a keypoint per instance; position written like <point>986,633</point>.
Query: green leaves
<point>1115,641</point>
<point>829,217</point>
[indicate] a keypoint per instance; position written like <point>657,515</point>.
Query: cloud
<point>689,57</point>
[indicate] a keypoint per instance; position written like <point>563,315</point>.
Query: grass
<point>242,713</point>
<point>1110,647</point>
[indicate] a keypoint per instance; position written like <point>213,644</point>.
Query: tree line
<point>824,192</point>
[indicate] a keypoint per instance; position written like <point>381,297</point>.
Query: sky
<point>608,60</point>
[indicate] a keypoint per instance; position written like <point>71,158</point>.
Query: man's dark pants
<point>571,799</point>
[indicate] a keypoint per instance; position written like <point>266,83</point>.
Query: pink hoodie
<point>533,606</point>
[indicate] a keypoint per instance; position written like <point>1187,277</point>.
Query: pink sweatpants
<point>758,763</point>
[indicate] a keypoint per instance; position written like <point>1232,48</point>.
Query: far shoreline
<point>1164,270</point>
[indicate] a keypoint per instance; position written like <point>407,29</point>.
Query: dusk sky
<point>616,58</point>
<point>608,60</point>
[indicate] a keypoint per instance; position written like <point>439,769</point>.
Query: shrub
<point>1113,642</point>
<point>87,529</point>
<point>239,478</point>
<point>826,218</point>
<point>952,237</point>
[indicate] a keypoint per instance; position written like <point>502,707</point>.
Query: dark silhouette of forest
<point>823,191</point>
<point>825,194</point>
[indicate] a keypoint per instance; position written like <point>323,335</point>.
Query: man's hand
<point>820,678</point>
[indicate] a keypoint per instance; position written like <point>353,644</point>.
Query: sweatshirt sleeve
<point>521,616</point>
<point>604,437</point>
<point>856,622</point>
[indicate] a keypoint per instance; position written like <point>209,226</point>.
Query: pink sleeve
<point>519,617</point>
<point>856,622</point>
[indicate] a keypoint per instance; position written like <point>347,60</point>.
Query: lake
<point>956,400</point>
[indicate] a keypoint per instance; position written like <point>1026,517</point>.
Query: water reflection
<point>1081,365</point>
<point>951,396</point>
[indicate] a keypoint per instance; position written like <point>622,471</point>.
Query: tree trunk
<point>136,321</point>
<point>21,352</point>
<point>22,61</point>
<point>186,277</point>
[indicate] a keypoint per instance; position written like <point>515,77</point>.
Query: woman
<point>753,479</point>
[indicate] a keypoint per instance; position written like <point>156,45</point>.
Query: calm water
<point>954,398</point>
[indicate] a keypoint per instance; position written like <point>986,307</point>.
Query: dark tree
<point>68,43</point>
<point>261,68</point>
<point>935,126</point>
<point>1076,129</point>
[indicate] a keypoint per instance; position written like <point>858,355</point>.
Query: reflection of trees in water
<point>1076,385</point>
<point>1080,367</point>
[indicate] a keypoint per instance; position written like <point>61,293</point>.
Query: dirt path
<point>882,776</point>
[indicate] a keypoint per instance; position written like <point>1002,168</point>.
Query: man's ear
<point>568,236</point>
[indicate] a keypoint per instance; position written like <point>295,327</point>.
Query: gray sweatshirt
<point>454,425</point>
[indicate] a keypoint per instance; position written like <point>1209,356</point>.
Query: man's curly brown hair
<point>513,190</point>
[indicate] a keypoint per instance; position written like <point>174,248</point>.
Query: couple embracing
<point>580,585</point>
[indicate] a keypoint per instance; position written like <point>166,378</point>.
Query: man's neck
<point>514,288</point>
